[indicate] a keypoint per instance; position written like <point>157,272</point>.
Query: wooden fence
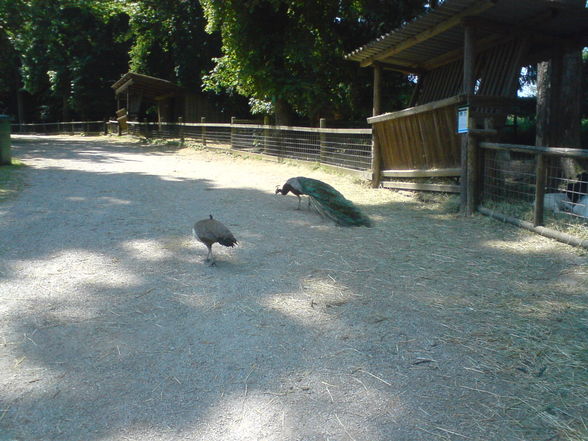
<point>419,138</point>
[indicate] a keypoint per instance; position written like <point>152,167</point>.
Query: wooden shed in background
<point>137,94</point>
<point>464,53</point>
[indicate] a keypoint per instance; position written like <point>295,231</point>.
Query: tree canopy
<point>60,57</point>
<point>286,57</point>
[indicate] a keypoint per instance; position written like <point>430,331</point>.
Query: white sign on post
<point>463,116</point>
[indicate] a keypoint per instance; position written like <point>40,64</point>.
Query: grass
<point>11,179</point>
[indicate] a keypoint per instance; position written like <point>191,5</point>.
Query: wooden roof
<point>150,87</point>
<point>436,37</point>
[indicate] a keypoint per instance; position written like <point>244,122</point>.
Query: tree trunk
<point>284,113</point>
<point>65,114</point>
<point>559,84</point>
<point>20,100</point>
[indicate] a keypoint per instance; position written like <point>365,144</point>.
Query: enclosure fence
<point>528,186</point>
<point>60,128</point>
<point>346,148</point>
<point>524,185</point>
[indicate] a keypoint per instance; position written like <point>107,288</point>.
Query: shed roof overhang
<point>150,87</point>
<point>436,37</point>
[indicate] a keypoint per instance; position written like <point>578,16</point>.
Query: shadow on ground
<point>112,327</point>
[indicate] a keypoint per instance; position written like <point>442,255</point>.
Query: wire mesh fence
<point>510,187</point>
<point>62,128</point>
<point>347,148</point>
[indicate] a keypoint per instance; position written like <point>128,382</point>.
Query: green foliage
<point>293,51</point>
<point>68,53</point>
<point>169,41</point>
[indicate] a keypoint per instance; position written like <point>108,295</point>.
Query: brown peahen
<point>326,200</point>
<point>210,231</point>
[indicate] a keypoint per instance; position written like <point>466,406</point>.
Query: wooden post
<point>472,174</point>
<point>233,132</point>
<point>203,121</point>
<point>539,190</point>
<point>322,141</point>
<point>377,109</point>
<point>266,133</point>
<point>106,127</point>
<point>181,127</point>
<point>468,90</point>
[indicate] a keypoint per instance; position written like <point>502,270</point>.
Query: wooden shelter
<point>136,94</point>
<point>464,53</point>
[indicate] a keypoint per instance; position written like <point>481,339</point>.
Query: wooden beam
<point>547,232</point>
<point>557,151</point>
<point>124,87</point>
<point>451,101</point>
<point>377,109</point>
<point>444,188</point>
<point>422,173</point>
<point>455,20</point>
<point>468,90</point>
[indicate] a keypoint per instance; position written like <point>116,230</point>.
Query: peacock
<point>326,200</point>
<point>210,231</point>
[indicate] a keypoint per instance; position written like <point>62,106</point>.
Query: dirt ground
<point>427,326</point>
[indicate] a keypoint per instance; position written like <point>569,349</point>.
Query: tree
<point>69,52</point>
<point>170,42</point>
<point>290,53</point>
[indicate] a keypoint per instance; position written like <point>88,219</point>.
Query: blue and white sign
<point>463,117</point>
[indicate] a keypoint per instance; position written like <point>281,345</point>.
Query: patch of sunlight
<point>528,244</point>
<point>247,417</point>
<point>172,179</point>
<point>317,303</point>
<point>52,276</point>
<point>548,309</point>
<point>115,201</point>
<point>147,249</point>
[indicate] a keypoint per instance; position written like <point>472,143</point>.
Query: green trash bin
<point>5,153</point>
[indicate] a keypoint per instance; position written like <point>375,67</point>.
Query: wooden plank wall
<point>426,140</point>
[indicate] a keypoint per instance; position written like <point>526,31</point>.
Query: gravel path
<point>112,327</point>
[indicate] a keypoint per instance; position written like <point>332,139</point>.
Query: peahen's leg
<point>299,200</point>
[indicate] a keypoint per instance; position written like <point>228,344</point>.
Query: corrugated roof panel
<point>546,15</point>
